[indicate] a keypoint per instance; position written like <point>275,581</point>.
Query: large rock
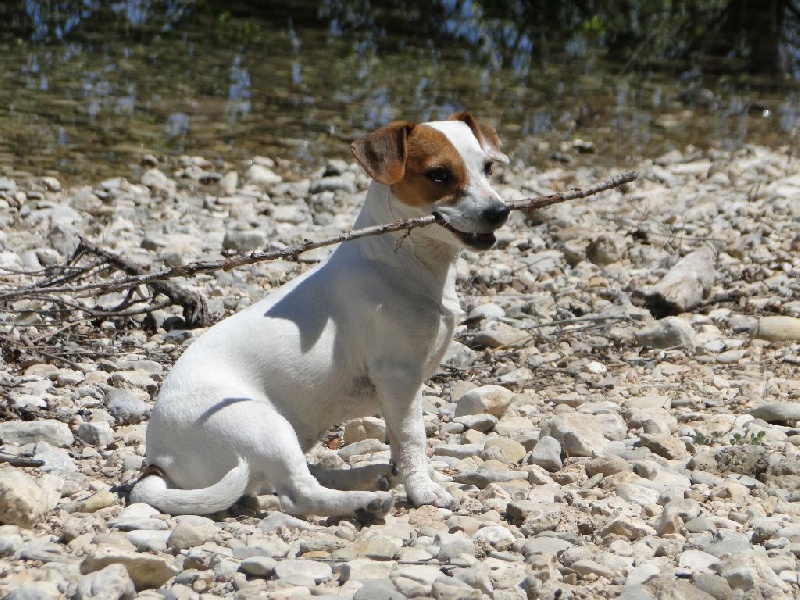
<point>146,570</point>
<point>778,412</point>
<point>685,285</point>
<point>583,435</point>
<point>51,431</point>
<point>22,501</point>
<point>777,329</point>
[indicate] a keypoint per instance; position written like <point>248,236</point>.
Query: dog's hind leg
<point>276,457</point>
<point>304,495</point>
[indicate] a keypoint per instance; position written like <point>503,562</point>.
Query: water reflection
<point>88,87</point>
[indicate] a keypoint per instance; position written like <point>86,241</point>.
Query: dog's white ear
<point>383,152</point>
<point>484,133</point>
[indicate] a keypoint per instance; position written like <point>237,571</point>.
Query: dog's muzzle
<point>490,218</point>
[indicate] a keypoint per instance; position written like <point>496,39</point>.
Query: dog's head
<point>443,168</point>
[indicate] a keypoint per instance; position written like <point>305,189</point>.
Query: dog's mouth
<point>475,241</point>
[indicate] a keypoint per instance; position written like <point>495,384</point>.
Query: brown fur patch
<point>429,149</point>
<point>382,153</point>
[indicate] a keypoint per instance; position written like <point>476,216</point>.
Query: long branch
<point>256,257</point>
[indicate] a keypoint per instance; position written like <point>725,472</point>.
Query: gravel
<point>619,416</point>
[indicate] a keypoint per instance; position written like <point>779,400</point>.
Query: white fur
<point>355,336</point>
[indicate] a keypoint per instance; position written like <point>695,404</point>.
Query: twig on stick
<point>158,277</point>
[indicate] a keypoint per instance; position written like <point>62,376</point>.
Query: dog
<point>354,336</point>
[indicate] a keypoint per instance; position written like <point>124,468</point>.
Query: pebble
<point>96,433</point>
<point>127,407</point>
<point>669,332</point>
<point>110,583</point>
<point>244,241</point>
<point>489,399</point>
<point>598,417</point>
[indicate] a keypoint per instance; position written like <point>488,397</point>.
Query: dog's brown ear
<point>484,133</point>
<point>383,152</point>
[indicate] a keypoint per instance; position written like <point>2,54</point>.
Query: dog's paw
<point>430,493</point>
<point>376,509</point>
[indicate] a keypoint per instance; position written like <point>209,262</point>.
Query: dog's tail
<point>152,489</point>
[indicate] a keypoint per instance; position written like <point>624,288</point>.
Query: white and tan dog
<point>355,336</point>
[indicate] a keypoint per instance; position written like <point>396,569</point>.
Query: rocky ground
<point>617,418</point>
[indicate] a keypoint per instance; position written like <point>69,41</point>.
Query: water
<point>88,87</point>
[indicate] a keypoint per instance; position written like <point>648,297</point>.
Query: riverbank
<point>620,454</point>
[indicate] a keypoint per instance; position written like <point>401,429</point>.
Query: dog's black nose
<point>496,215</point>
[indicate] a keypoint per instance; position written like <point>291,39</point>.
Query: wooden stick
<point>255,257</point>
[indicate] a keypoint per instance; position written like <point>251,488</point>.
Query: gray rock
<point>480,422</point>
<point>146,570</point>
<point>35,590</point>
<point>10,542</point>
<point>365,446</point>
<point>778,412</point>
<point>686,284</point>
<point>111,583</point>
<point>483,477</point>
<point>149,540</point>
<point>56,460</point>
<point>191,530</point>
<point>259,174</point>
<point>452,545</point>
<point>607,465</point>
<point>126,406</point>
<point>378,589</point>
<point>279,519</point>
<point>333,184</point>
<point>777,329</point>
<point>669,332</point>
<point>361,569</point>
<point>664,444</point>
<point>490,399</point>
<point>489,310</point>
<point>546,453</point>
<point>364,428</point>
<point>300,571</point>
<point>579,434</point>
<point>29,432</point>
<point>504,449</point>
<point>96,433</point>
<point>727,542</point>
<point>244,241</point>
<point>258,566</point>
<point>450,588</point>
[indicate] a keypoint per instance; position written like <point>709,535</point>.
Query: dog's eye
<point>487,168</point>
<point>439,175</point>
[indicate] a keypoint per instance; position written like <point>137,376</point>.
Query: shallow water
<point>89,87</point>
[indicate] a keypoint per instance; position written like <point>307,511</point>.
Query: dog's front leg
<point>402,409</point>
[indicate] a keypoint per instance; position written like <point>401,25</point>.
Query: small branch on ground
<point>195,309</point>
<point>20,461</point>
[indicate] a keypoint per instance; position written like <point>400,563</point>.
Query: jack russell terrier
<point>354,336</point>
